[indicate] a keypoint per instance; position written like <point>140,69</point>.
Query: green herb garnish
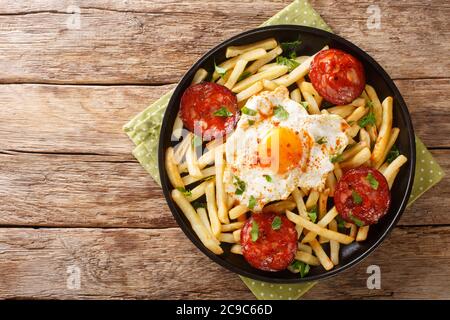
<point>372,181</point>
<point>392,154</point>
<point>197,205</point>
<point>244,75</point>
<point>356,221</point>
<point>251,202</point>
<point>239,184</point>
<point>223,112</point>
<point>268,178</point>
<point>299,267</point>
<point>219,70</point>
<point>337,158</point>
<point>249,112</point>
<point>290,48</point>
<point>255,231</point>
<point>369,104</point>
<point>368,119</point>
<point>185,192</point>
<point>281,113</point>
<point>340,222</point>
<point>276,223</point>
<point>321,140</point>
<point>305,105</point>
<point>313,214</point>
<point>290,63</point>
<point>356,197</point>
<point>251,122</point>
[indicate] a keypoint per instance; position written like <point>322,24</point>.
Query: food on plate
<point>209,109</point>
<point>362,196</point>
<point>337,76</point>
<point>284,180</point>
<point>269,241</point>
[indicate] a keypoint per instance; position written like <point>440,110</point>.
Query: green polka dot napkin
<point>144,129</point>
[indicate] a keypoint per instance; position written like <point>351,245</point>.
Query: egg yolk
<point>281,150</point>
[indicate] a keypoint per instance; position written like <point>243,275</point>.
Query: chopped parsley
<point>197,205</point>
<point>281,113</point>
<point>290,48</point>
<point>337,158</point>
<point>305,105</point>
<point>372,181</point>
<point>340,222</point>
<point>313,214</point>
<point>268,178</point>
<point>356,221</point>
<point>249,112</point>
<point>239,184</point>
<point>185,192</point>
<point>251,122</point>
<point>369,104</point>
<point>368,119</point>
<point>356,197</point>
<point>276,223</point>
<point>255,231</point>
<point>321,140</point>
<point>244,75</point>
<point>290,63</point>
<point>219,70</point>
<point>392,154</point>
<point>299,267</point>
<point>251,202</point>
<point>223,112</point>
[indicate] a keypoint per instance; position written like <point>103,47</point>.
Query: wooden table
<point>73,200</point>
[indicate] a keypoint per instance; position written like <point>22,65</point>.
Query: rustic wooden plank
<point>163,264</point>
<point>156,42</point>
<point>89,191</point>
<point>89,119</point>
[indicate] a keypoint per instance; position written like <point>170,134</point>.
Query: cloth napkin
<point>144,130</point>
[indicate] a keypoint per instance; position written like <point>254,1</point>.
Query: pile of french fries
<point>218,219</point>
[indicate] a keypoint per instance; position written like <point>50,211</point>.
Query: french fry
<point>313,108</point>
<point>187,180</point>
<point>182,147</point>
<point>357,114</point>
<point>323,198</point>
<point>307,258</point>
<point>267,66</point>
<point>227,237</point>
<point>359,159</point>
<point>306,86</point>
<point>364,137</point>
<point>212,209</point>
<point>268,74</point>
<point>392,138</point>
<point>385,131</point>
<point>312,199</point>
<point>191,161</point>
<point>237,235</point>
<point>298,198</point>
<point>296,96</point>
<point>334,245</point>
<point>269,85</point>
<point>353,130</point>
<point>206,159</point>
<point>331,183</point>
<point>280,206</point>
<point>203,215</point>
<point>235,74</point>
<point>232,226</point>
<point>177,129</point>
<point>383,167</point>
<point>238,211</point>
<point>197,225</point>
<point>331,235</point>
<point>376,105</point>
<point>236,249</point>
<point>172,170</point>
<point>362,233</point>
<point>350,153</point>
<point>337,171</point>
<point>221,195</point>
<point>304,248</point>
<point>197,192</point>
<point>248,56</point>
<point>305,191</point>
<point>342,111</point>
<point>352,228</point>
<point>230,202</point>
<point>393,168</point>
<point>321,255</point>
<point>373,133</point>
<point>262,61</point>
<point>224,78</point>
<point>266,44</point>
<point>199,76</point>
<point>327,218</point>
<point>250,91</point>
<point>299,72</point>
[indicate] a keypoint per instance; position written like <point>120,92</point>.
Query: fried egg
<point>277,146</point>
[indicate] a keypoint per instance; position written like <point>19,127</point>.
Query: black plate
<point>312,41</point>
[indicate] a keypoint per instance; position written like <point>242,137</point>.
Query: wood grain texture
<point>98,191</point>
<point>89,119</point>
<point>156,42</point>
<point>163,264</point>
